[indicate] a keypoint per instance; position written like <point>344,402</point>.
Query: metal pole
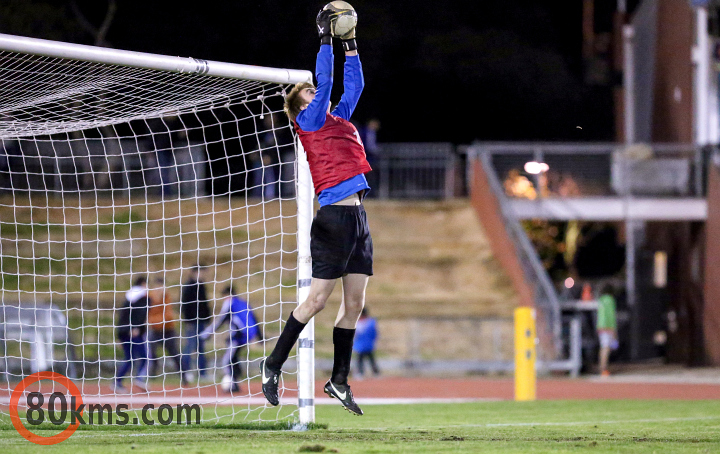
<point>306,341</point>
<point>701,55</point>
<point>575,346</point>
<point>384,177</point>
<point>630,287</point>
<point>150,61</point>
<point>629,83</point>
<point>537,157</point>
<point>450,168</point>
<point>700,58</point>
<point>699,174</point>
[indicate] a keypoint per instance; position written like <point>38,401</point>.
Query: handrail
<point>575,147</point>
<point>618,154</point>
<point>546,298</point>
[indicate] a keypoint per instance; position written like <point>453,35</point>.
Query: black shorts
<point>340,242</point>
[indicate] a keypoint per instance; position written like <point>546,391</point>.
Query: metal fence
<point>401,170</point>
<point>416,170</point>
<point>98,164</point>
<point>605,169</point>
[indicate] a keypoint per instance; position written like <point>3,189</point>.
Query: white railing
<point>415,171</point>
<point>603,169</point>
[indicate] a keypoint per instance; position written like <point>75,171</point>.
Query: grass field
<point>617,426</point>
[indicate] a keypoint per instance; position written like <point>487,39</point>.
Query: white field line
<point>571,423</point>
<point>522,424</point>
<point>679,379</point>
<point>490,425</point>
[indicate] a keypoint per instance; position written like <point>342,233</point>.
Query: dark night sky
<point>452,71</point>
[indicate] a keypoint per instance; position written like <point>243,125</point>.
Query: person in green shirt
<point>606,327</point>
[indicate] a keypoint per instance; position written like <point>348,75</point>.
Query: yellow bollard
<point>525,374</point>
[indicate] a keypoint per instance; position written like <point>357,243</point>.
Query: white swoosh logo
<point>264,378</point>
<point>341,395</point>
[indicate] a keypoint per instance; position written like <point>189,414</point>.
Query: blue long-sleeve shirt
<point>243,325</point>
<point>312,118</point>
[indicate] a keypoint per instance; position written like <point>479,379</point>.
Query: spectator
<point>568,187</point>
<point>164,139</point>
<point>265,164</point>
<point>517,185</point>
<point>368,135</point>
<point>243,328</point>
<point>561,184</point>
<point>131,326</point>
<point>162,321</point>
<point>263,179</point>
<point>278,144</point>
<point>606,327</point>
<point>195,314</point>
<point>364,345</point>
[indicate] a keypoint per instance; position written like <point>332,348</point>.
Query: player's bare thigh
<point>353,301</point>
<point>320,290</point>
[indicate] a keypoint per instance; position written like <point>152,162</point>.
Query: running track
<point>420,389</point>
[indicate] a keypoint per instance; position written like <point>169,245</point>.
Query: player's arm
<point>353,80</point>
<point>252,323</point>
<point>312,117</point>
<point>225,314</point>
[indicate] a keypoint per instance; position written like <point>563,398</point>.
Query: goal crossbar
<point>145,60</point>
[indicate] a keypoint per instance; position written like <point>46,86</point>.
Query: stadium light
<point>535,168</point>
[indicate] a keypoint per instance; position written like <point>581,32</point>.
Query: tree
<point>99,33</point>
<point>38,19</point>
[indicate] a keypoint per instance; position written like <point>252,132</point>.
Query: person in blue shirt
<point>364,346</point>
<point>243,329</point>
<point>340,242</point>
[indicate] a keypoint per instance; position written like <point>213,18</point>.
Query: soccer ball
<point>226,383</point>
<point>344,19</point>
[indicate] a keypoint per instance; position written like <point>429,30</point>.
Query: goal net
<point>118,167</point>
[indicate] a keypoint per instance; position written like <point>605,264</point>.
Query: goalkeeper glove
<point>323,26</point>
<point>348,40</point>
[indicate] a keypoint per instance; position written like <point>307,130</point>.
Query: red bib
<point>335,152</point>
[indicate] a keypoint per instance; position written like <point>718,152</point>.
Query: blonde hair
<point>293,101</point>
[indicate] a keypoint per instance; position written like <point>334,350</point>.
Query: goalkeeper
<point>340,242</point>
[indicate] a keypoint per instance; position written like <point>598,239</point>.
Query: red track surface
<point>461,388</point>
<point>546,389</point>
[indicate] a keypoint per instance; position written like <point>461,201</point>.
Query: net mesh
<point>111,173</point>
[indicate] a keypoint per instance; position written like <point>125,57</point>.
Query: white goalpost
<point>118,165</point>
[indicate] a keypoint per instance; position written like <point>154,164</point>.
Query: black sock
<point>285,343</point>
<point>343,341</point>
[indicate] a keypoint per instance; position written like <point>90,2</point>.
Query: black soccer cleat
<point>269,383</point>
<point>344,395</point>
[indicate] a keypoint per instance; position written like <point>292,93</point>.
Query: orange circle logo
<point>60,379</point>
